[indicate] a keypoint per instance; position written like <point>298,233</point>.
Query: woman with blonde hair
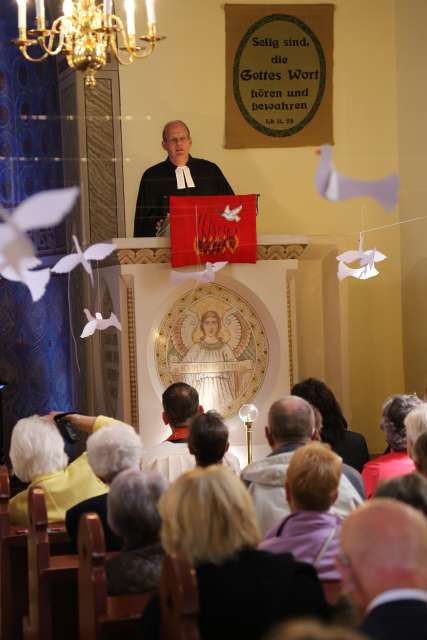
<point>209,519</point>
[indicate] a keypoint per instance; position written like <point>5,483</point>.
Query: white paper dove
<point>207,275</point>
<point>98,323</point>
<point>366,259</point>
<point>97,251</point>
<point>334,187</point>
<point>17,253</point>
<point>231,215</point>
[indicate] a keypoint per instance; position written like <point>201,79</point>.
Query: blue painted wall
<point>35,355</point>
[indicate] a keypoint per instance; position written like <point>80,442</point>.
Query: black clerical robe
<point>159,182</point>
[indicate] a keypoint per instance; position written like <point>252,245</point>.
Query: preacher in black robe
<point>159,182</point>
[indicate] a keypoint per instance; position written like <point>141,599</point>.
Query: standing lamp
<point>248,413</point>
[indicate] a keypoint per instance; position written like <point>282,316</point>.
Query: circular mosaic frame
<point>225,298</point>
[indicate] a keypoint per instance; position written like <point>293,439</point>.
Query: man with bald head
<point>290,426</point>
<point>383,563</point>
<point>179,175</point>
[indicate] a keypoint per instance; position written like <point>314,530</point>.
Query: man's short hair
<point>410,489</point>
<point>395,410</point>
<point>313,476</point>
<point>113,449</point>
<point>180,403</point>
<point>291,419</point>
<point>208,438</point>
<point>419,453</point>
<point>168,124</point>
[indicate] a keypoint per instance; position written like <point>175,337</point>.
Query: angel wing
<point>370,257</point>
<point>182,333</point>
<point>239,331</point>
<point>44,209</point>
<point>99,251</point>
<point>115,322</point>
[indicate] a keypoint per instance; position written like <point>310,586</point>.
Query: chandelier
<point>87,33</point>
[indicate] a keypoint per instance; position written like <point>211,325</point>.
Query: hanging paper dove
<point>367,260</point>
<point>207,275</point>
<point>231,215</point>
<point>94,252</point>
<point>97,322</point>
<point>333,186</point>
<point>17,253</point>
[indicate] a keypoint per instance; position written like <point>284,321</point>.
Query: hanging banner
<point>212,229</point>
<point>278,75</point>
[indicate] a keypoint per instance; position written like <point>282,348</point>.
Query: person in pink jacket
<point>310,532</point>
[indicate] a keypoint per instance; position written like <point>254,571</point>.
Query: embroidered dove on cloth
<point>335,187</point>
<point>17,253</point>
<point>367,260</point>
<point>207,275</point>
<point>97,251</point>
<point>231,215</point>
<point>183,176</point>
<point>98,323</point>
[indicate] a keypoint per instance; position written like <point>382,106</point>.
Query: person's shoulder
<point>201,162</point>
<point>95,503</point>
<point>155,169</point>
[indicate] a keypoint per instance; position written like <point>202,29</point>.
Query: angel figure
<point>211,365</point>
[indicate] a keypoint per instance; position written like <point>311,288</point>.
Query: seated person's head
<point>410,488</point>
<point>208,438</point>
<point>290,420</point>
<point>416,424</point>
<point>180,404</point>
<point>313,477</point>
<point>312,630</point>
<point>133,507</point>
<point>113,449</point>
<point>36,449</point>
<point>208,516</point>
<point>395,410</point>
<point>419,453</point>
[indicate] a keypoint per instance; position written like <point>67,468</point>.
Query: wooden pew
<point>14,564</point>
<point>52,581</point>
<point>102,616</point>
<point>179,599</point>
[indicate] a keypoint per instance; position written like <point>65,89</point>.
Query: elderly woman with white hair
<point>110,450</point>
<point>209,519</point>
<point>133,515</point>
<point>416,424</point>
<point>38,457</point>
<point>395,462</point>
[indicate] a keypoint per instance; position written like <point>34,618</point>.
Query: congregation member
<point>396,462</point>
<point>350,445</point>
<point>172,457</point>
<point>38,457</point>
<point>310,533</point>
<point>134,517</point>
<point>208,439</point>
<point>291,426</point>
<point>416,425</point>
<point>208,518</point>
<point>419,454</point>
<point>410,489</point>
<point>313,630</point>
<point>110,450</point>
<point>383,563</point>
<point>179,174</point>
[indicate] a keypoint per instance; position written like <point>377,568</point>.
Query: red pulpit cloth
<point>212,228</point>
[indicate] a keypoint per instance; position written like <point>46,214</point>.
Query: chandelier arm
<point>118,55</point>
<point>23,50</point>
<point>145,52</point>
